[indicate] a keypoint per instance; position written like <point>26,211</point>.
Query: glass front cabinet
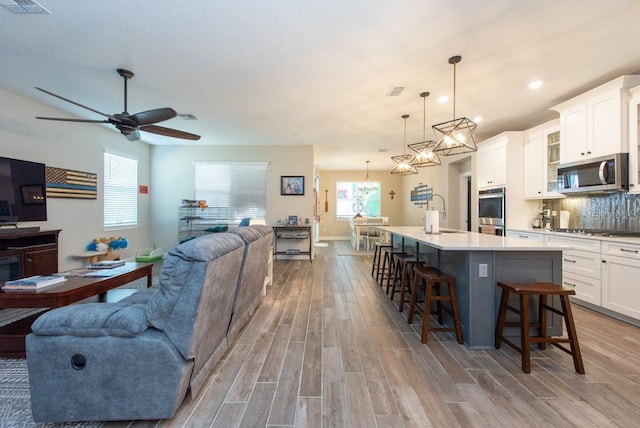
<point>541,159</point>
<point>634,140</point>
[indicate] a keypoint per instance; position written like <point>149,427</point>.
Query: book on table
<point>106,264</point>
<point>33,282</point>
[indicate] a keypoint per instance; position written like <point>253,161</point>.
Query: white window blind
<point>120,191</point>
<point>239,186</point>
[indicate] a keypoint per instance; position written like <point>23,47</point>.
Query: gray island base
<point>478,262</point>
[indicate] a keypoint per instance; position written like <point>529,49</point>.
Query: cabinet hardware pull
<point>629,251</point>
<point>569,260</point>
<point>523,236</point>
<point>569,284</point>
<point>28,260</point>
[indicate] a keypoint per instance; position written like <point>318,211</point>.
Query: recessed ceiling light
<point>477,119</point>
<point>535,84</point>
<point>443,99</point>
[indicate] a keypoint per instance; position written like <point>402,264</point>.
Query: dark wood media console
<point>37,251</point>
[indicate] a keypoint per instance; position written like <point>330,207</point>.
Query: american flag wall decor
<point>66,183</point>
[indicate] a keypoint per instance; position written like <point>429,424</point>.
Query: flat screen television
<point>22,191</point>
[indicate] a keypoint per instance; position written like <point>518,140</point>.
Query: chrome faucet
<point>444,206</point>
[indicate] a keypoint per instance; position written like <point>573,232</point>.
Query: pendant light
<point>367,186</point>
<point>425,156</point>
<point>403,162</point>
<point>455,136</point>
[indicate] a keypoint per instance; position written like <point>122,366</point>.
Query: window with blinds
<point>239,186</point>
<point>351,201</point>
<point>120,191</point>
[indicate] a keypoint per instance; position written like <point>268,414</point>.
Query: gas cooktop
<point>603,233</point>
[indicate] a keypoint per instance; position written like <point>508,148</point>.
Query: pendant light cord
<point>424,118</point>
<point>404,143</point>
<point>404,139</point>
<point>454,90</point>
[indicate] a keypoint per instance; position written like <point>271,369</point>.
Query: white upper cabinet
<point>541,159</point>
<point>634,140</point>
<point>596,123</point>
<point>492,162</point>
<point>499,162</point>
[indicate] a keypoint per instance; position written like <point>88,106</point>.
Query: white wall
<point>172,179</point>
<point>75,146</point>
<point>444,179</point>
<point>332,228</point>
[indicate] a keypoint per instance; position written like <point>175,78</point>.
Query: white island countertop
<point>457,240</point>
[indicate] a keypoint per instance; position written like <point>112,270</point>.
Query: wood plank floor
<point>327,349</point>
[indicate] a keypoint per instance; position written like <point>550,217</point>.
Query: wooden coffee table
<point>70,291</point>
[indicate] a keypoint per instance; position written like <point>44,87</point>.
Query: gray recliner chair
<point>128,360</point>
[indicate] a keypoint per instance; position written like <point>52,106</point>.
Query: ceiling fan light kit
<point>129,125</point>
<point>455,136</point>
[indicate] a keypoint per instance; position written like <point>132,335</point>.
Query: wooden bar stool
<point>404,267</point>
<point>542,289</point>
<point>387,265</point>
<point>430,279</point>
<point>377,257</point>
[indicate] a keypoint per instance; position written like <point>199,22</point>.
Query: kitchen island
<point>478,262</point>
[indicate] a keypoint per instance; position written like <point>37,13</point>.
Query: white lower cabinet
<point>581,267</point>
<point>603,273</point>
<point>587,289</point>
<point>531,236</point>
<point>620,274</point>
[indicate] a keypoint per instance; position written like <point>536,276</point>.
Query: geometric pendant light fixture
<point>403,162</point>
<point>455,136</point>
<point>425,156</point>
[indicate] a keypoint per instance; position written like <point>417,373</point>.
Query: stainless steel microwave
<point>602,174</point>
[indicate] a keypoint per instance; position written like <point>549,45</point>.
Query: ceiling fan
<point>130,124</point>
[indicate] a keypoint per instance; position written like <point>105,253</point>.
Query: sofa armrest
<point>93,319</point>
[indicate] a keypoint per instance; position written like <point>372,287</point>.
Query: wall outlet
<point>482,270</point>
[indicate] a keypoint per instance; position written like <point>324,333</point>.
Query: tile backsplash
<point>608,211</point>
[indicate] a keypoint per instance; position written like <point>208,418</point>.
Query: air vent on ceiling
<point>395,91</point>
<point>23,6</point>
<point>383,150</point>
<point>187,116</point>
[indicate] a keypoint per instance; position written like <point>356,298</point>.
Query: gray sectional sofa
<point>137,358</point>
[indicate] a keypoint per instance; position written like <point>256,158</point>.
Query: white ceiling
<point>317,72</point>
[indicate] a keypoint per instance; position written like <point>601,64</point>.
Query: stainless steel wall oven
<point>491,211</point>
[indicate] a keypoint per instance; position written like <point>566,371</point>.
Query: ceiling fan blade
<point>73,102</point>
<point>168,132</point>
<point>154,116</point>
<point>62,119</point>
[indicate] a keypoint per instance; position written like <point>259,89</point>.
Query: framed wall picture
<point>292,185</point>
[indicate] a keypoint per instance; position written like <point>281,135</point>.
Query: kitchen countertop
<point>458,240</point>
<point>551,232</point>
